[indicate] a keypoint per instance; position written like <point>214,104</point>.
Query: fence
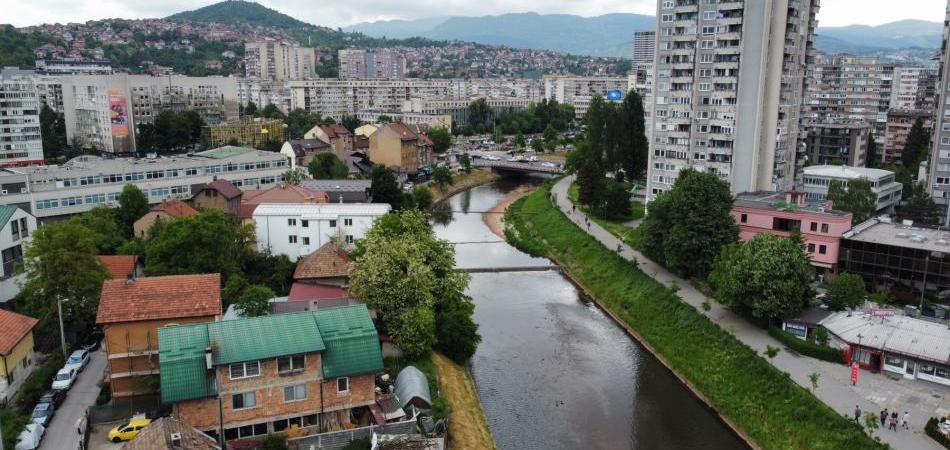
<point>124,407</point>
<point>336,440</point>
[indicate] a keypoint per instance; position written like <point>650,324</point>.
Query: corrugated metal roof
<point>411,383</point>
<point>181,356</point>
<point>351,340</point>
<point>897,334</point>
<point>6,212</point>
<point>264,337</point>
<point>319,210</point>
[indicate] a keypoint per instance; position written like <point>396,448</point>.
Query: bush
<point>105,394</point>
<point>933,432</point>
<point>806,348</point>
<point>13,422</point>
<point>274,442</point>
<point>359,444</point>
<point>40,380</point>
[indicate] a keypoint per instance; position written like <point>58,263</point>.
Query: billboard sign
<point>120,123</point>
<point>615,95</point>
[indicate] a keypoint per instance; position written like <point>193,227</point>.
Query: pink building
<point>779,213</point>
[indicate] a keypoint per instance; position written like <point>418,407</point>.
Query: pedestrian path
<point>872,393</point>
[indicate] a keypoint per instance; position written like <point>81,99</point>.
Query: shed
<point>412,388</point>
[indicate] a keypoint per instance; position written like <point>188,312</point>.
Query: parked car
<point>64,378</point>
<point>128,430</point>
<point>93,342</point>
<point>548,164</point>
<point>77,360</point>
<point>30,437</point>
<point>43,413</point>
<point>53,396</point>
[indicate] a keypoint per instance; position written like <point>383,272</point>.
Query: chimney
<point>130,278</point>
<point>175,439</point>
<point>208,364</point>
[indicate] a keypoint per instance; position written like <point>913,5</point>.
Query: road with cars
<point>62,433</point>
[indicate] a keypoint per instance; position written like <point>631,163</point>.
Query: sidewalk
<point>872,393</point>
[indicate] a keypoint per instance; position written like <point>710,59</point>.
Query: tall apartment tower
<point>847,87</point>
<point>20,139</point>
<point>729,81</point>
<point>644,46</point>
<point>938,167</point>
<point>277,61</point>
<point>382,64</point>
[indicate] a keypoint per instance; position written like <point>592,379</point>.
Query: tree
<point>327,166</point>
<point>767,276</point>
<point>590,173</point>
<point>550,138</point>
<point>915,148</point>
<point>537,145</point>
<point>442,176</point>
<point>300,121</point>
<point>53,132</point>
<point>919,206</point>
<point>407,275</point>
<point>61,261</point>
<point>250,109</point>
<point>271,111</point>
<point>254,301</point>
<point>479,115</point>
<point>857,199</point>
<point>457,334</point>
<point>688,227</point>
<point>383,119</point>
<point>102,224</point>
<point>211,242</point>
<point>274,442</point>
<point>133,204</point>
<point>273,271</point>
<point>466,162</point>
<point>441,139</point>
<point>873,158</point>
<point>175,130</point>
<point>632,145</point>
<point>615,202</point>
<point>422,197</point>
<point>350,122</point>
<point>294,176</point>
<point>847,290</point>
<point>384,187</point>
<point>519,140</point>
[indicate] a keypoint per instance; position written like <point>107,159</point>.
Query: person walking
<point>857,414</point>
<point>892,421</point>
<point>883,417</point>
<point>905,420</point>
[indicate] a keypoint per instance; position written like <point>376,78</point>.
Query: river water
<point>553,371</point>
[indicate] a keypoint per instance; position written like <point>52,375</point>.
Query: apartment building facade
<point>729,80</point>
<point>20,139</point>
<point>839,141</point>
<point>279,61</point>
<point>850,87</point>
<point>578,91</point>
<point>379,64</point>
<point>938,166</point>
<point>399,146</point>
<point>16,233</point>
<point>644,47</point>
<point>885,187</point>
<point>913,88</point>
<point>899,123</point>
<point>298,229</point>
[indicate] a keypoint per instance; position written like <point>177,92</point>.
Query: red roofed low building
<point>282,193</point>
<point>16,351</point>
<point>219,194</point>
<point>302,151</point>
<point>121,267</point>
<point>339,138</point>
<point>166,211</point>
<point>132,310</point>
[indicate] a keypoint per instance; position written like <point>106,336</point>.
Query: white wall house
<point>298,229</point>
<point>888,190</point>
<point>16,231</point>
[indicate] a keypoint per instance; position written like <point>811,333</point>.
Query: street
<point>62,434</point>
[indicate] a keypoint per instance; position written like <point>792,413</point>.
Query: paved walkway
<point>872,393</point>
<point>62,433</point>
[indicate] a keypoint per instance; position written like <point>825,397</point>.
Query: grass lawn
<point>772,409</point>
<point>468,428</point>
<point>616,227</point>
<point>460,182</point>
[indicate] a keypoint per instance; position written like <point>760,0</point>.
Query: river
<point>553,371</point>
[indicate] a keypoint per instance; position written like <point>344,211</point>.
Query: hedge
<point>806,348</point>
<point>933,432</point>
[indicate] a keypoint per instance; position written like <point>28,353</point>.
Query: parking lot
<point>62,433</point>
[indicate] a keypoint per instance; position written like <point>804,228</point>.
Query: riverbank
<point>495,218</point>
<point>461,182</point>
<point>468,429</point>
<point>762,403</point>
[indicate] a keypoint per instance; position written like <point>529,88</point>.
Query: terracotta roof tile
<point>175,208</point>
<point>153,298</point>
<point>281,193</point>
<point>314,292</point>
<point>328,261</point>
<point>157,436</point>
<point>13,328</point>
<point>119,266</point>
<point>224,187</point>
<point>335,130</point>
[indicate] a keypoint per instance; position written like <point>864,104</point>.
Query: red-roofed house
<point>120,266</point>
<point>132,311</point>
<point>280,193</point>
<point>166,210</point>
<point>397,146</point>
<point>16,351</point>
<point>339,138</point>
<point>219,194</point>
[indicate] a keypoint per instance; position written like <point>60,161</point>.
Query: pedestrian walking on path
<point>883,417</point>
<point>892,421</point>
<point>905,420</point>
<point>857,414</point>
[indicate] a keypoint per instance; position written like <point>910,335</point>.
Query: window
<point>666,18</point>
<point>332,224</point>
<point>349,239</point>
<point>824,228</point>
<point>292,239</point>
<point>244,370</point>
<point>814,226</point>
<point>24,228</point>
<point>305,223</point>
<point>343,385</point>
<point>15,230</point>
<point>822,249</point>
<point>348,222</point>
<point>811,248</point>
<point>744,218</point>
<point>306,240</point>
<point>291,222</point>
<point>12,257</point>
<point>290,363</point>
<point>243,400</point>
<point>295,393</point>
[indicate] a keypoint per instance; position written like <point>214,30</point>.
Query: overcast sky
<point>342,13</point>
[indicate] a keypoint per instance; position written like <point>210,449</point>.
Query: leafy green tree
<point>457,333</point>
<point>274,271</point>
<point>383,119</point>
<point>915,148</point>
<point>300,121</point>
<point>254,301</point>
<point>479,115</point>
<point>133,204</point>
<point>857,199</point>
<point>384,187</point>
<point>103,225</point>
<point>918,206</point>
<point>294,176</point>
<point>615,202</point>
<point>53,132</point>
<point>422,197</point>
<point>211,242</point>
<point>407,274</point>
<point>271,111</point>
<point>590,173</point>
<point>441,139</point>
<point>250,109</point>
<point>632,145</point>
<point>537,145</point>
<point>691,223</point>
<point>177,130</point>
<point>767,276</point>
<point>551,138</point>
<point>847,290</point>
<point>442,176</point>
<point>466,162</point>
<point>274,442</point>
<point>519,140</point>
<point>327,166</point>
<point>233,288</point>
<point>62,261</point>
<point>350,123</point>
<point>873,153</point>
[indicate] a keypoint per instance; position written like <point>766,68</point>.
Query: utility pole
<point>62,334</point>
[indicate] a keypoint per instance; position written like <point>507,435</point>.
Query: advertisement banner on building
<point>615,95</point>
<point>120,123</point>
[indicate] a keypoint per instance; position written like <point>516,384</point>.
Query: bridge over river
<point>519,167</point>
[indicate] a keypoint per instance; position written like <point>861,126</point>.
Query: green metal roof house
<point>264,374</point>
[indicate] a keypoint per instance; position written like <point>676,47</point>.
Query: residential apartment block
<point>20,139</point>
<point>16,231</point>
<point>644,47</point>
<point>400,146</point>
<point>73,66</point>
<point>578,91</point>
<point>379,64</point>
<point>849,87</point>
<point>278,61</point>
<point>913,88</point>
<point>103,111</point>
<point>263,92</point>
<point>838,141</point>
<point>886,188</point>
<point>253,132</point>
<point>938,178</point>
<point>899,123</point>
<point>243,378</point>
<point>298,229</point>
<point>728,91</point>
<point>52,192</point>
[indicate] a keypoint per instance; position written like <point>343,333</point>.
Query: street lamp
<point>62,334</point>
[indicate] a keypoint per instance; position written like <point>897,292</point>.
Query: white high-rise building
<point>578,91</point>
<point>728,91</point>
<point>20,138</point>
<point>644,46</point>
<point>380,64</point>
<point>938,177</point>
<point>272,60</point>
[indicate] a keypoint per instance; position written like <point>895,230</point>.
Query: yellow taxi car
<point>128,430</point>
